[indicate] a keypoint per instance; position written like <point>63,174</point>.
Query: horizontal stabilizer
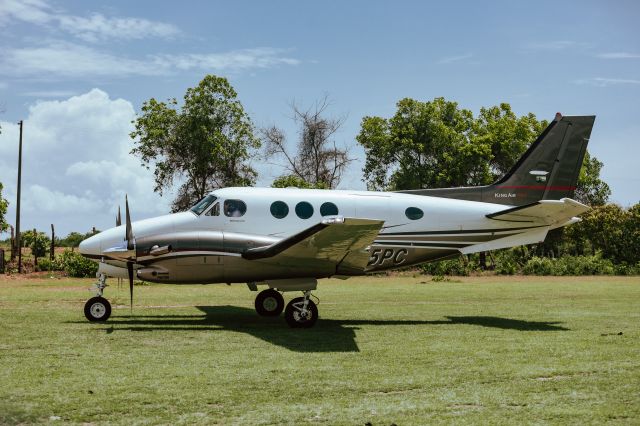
<point>531,237</point>
<point>543,212</point>
<point>337,241</point>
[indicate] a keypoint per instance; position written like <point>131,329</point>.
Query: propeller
<point>131,246</point>
<point>118,218</point>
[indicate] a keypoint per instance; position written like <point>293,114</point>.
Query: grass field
<point>386,350</point>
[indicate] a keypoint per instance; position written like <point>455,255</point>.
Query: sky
<point>78,72</point>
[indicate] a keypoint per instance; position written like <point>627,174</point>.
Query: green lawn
<point>386,350</point>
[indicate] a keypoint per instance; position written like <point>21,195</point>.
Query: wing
<point>553,213</point>
<point>337,243</point>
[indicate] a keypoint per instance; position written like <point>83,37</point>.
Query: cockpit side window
<point>215,210</point>
<point>203,204</point>
<point>234,208</point>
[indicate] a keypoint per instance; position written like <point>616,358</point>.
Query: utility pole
<point>18,242</point>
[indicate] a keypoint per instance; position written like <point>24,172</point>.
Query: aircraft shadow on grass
<point>328,335</point>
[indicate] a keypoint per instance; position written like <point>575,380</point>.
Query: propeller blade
<point>130,271</point>
<point>119,218</point>
<point>129,231</point>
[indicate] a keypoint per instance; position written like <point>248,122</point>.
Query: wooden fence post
<point>53,243</point>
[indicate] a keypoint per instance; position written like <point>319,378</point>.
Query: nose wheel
<point>269,303</point>
<point>301,312</point>
<point>98,309</point>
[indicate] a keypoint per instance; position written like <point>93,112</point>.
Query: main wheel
<point>269,303</point>
<point>97,309</point>
<point>293,313</point>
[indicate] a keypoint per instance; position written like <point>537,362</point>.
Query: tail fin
<point>548,170</point>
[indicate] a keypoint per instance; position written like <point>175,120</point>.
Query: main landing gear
<point>269,303</point>
<point>98,309</point>
<point>301,312</point>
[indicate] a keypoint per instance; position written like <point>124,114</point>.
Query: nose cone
<point>91,247</point>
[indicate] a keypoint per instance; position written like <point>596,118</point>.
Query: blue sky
<point>77,72</point>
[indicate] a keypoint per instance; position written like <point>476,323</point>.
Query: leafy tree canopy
<point>37,241</point>
<point>437,144</point>
<point>203,145</point>
<point>287,181</point>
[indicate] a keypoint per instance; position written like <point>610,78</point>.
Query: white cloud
<point>64,60</point>
<point>458,58</point>
<point>98,27</point>
<point>93,28</point>
<point>558,45</point>
<point>263,57</point>
<point>31,11</point>
<point>49,93</point>
<point>619,55</point>
<point>76,164</point>
<point>604,82</point>
<point>69,60</point>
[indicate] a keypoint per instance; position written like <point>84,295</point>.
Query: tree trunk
<point>483,261</point>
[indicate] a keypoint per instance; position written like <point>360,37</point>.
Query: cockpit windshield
<point>203,204</point>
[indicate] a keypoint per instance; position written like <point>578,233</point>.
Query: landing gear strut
<point>301,312</point>
<point>98,308</point>
<point>269,303</point>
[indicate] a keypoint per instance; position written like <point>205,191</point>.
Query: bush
<point>569,265</point>
<point>447,267</point>
<point>539,266</point>
<point>76,265</point>
<point>45,264</point>
<point>508,262</point>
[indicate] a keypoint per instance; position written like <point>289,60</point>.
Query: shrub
<point>538,266</point>
<point>508,262</point>
<point>447,267</point>
<point>45,264</point>
<point>76,265</point>
<point>569,265</point>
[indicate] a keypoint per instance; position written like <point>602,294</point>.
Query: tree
<point>204,145</point>
<point>318,163</point>
<point>424,145</point>
<point>610,230</point>
<point>436,144</point>
<point>287,181</point>
<point>37,241</point>
<point>591,190</point>
<point>72,240</point>
<point>4,204</point>
<point>508,135</point>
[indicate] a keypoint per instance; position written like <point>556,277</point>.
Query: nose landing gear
<point>98,309</point>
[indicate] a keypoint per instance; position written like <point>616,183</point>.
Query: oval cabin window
<point>279,209</point>
<point>304,210</point>
<point>328,209</point>
<point>413,213</point>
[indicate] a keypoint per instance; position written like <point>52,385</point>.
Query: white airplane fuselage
<point>207,248</point>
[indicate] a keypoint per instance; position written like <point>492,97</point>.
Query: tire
<point>269,303</point>
<point>97,309</point>
<point>293,317</point>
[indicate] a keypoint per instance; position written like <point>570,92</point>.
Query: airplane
<point>288,238</point>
